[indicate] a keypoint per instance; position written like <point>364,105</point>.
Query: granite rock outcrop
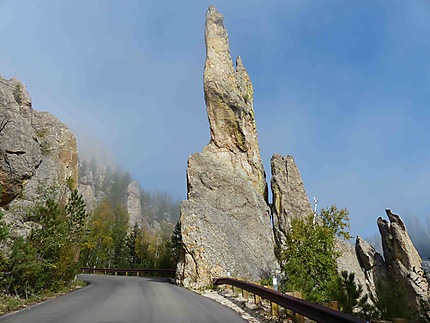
<point>402,259</point>
<point>134,206</point>
<point>20,149</point>
<point>225,220</point>
<point>401,264</point>
<point>289,196</point>
<point>39,154</point>
<point>372,263</point>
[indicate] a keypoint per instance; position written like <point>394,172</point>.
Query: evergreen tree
<point>176,242</point>
<point>131,246</point>
<point>351,298</point>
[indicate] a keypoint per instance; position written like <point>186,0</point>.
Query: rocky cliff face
<point>38,152</point>
<point>20,149</point>
<point>225,220</point>
<point>402,265</point>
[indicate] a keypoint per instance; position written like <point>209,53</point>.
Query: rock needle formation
<point>225,220</point>
<point>401,268</point>
<point>289,196</point>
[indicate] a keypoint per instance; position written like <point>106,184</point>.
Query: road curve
<point>121,299</point>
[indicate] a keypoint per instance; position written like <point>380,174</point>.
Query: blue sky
<point>343,86</point>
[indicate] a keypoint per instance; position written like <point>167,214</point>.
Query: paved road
<point>121,299</point>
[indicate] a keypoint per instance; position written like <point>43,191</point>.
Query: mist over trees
<point>65,235</point>
<point>111,239</point>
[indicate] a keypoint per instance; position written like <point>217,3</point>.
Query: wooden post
<point>245,294</point>
<point>116,273</point>
<point>334,305</point>
<point>126,273</point>
<point>257,298</point>
<point>298,318</point>
<point>275,309</point>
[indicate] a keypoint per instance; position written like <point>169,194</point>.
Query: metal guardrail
<point>129,270</point>
<point>313,311</point>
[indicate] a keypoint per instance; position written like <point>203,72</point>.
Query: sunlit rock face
<point>39,157</point>
<point>401,266</point>
<point>229,102</point>
<point>225,220</point>
<point>373,265</point>
<point>402,259</point>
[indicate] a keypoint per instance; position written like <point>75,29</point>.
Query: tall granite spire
<point>229,102</point>
<point>225,220</point>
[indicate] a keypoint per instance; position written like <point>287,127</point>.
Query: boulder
<point>225,221</point>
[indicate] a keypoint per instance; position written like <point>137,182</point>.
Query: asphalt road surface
<point>122,299</point>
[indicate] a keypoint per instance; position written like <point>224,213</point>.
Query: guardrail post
<point>116,273</point>
<point>298,317</point>
<point>257,298</point>
<point>245,294</point>
<point>334,305</point>
<point>273,306</point>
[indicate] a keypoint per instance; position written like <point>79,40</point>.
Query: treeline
<point>61,236</point>
<point>110,243</point>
